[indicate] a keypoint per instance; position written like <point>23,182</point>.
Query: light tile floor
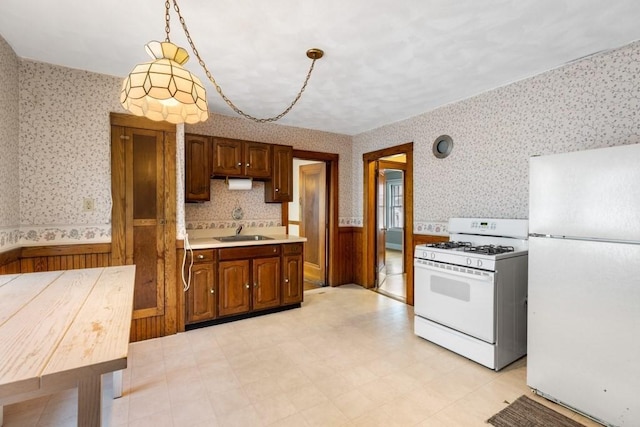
<point>348,357</point>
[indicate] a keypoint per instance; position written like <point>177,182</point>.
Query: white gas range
<point>470,293</point>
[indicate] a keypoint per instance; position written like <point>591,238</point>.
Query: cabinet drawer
<point>203,255</point>
<point>292,248</point>
<point>249,252</point>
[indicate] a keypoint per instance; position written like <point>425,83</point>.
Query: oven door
<point>455,296</point>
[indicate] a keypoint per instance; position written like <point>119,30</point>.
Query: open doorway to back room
<point>391,277</point>
<point>379,215</point>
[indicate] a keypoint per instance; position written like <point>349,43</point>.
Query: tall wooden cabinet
<point>197,168</point>
<point>144,218</point>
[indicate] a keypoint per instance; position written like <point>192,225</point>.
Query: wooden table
<point>64,329</point>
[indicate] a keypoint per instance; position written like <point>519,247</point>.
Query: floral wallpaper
<point>590,103</point>
<point>9,134</point>
<point>60,120</point>
<point>65,144</point>
<point>217,213</point>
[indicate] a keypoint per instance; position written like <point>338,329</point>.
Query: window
<point>395,195</point>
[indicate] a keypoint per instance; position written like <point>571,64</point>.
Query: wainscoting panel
<point>10,261</point>
<point>349,257</point>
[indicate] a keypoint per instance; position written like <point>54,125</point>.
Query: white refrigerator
<point>584,282</point>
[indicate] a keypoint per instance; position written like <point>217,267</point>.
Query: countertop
<point>212,243</point>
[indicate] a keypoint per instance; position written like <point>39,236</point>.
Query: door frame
<point>369,215</point>
<point>391,165</point>
<point>331,163</point>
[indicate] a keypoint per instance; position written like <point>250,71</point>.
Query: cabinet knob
<point>247,165</point>
<point>286,280</point>
<point>213,291</point>
<point>275,250</point>
<point>200,256</point>
<point>246,285</point>
<point>255,285</point>
<point>277,190</point>
<point>239,163</point>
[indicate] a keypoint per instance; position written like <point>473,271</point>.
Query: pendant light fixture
<point>163,90</point>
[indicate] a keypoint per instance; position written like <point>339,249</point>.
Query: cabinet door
<point>257,160</point>
<point>200,298</point>
<point>227,157</point>
<point>197,168</point>
<point>233,287</point>
<point>280,187</point>
<point>266,283</point>
<point>292,282</point>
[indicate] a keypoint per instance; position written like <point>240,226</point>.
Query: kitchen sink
<point>243,238</point>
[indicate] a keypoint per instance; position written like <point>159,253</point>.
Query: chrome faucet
<point>239,229</point>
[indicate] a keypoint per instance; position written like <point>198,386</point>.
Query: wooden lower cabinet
<point>233,287</point>
<point>200,298</point>
<point>293,274</point>
<point>266,283</point>
<point>240,280</point>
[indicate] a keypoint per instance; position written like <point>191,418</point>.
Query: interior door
<point>313,202</point>
<point>381,227</point>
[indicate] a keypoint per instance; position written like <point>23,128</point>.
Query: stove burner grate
<point>449,245</point>
<point>489,249</point>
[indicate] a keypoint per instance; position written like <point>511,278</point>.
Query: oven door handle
<point>479,277</point>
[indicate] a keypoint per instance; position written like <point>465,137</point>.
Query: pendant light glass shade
<point>163,90</point>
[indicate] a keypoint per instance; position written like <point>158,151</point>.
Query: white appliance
<point>470,293</point>
<point>584,282</point>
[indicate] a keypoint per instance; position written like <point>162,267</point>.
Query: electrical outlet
<point>87,204</point>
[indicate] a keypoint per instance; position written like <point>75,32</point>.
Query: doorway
<point>313,214</point>
<point>373,247</point>
<point>391,277</point>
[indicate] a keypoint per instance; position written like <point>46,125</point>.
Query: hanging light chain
<point>167,18</point>
<point>213,80</point>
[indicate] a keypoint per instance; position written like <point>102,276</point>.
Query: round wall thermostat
<point>442,146</point>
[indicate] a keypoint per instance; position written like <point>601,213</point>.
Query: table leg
<point>117,384</point>
<point>89,401</point>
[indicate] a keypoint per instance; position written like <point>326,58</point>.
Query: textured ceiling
<point>385,60</point>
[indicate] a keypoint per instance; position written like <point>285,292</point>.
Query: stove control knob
<point>479,263</point>
<point>468,261</point>
<point>433,255</point>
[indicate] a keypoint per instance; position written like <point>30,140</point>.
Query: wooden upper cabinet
<point>280,187</point>
<point>227,157</point>
<point>257,159</point>
<point>197,168</point>
<point>233,157</point>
